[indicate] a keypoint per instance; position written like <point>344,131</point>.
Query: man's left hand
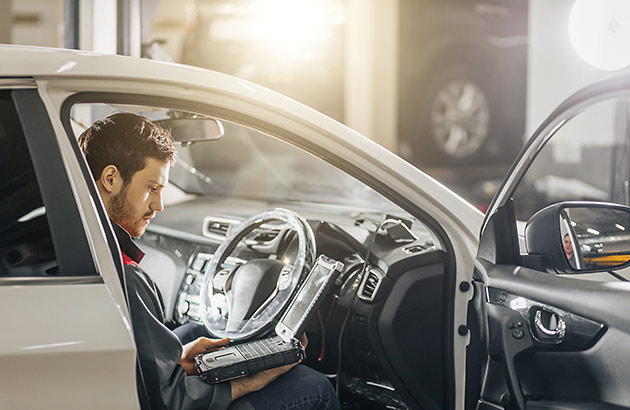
<point>201,345</point>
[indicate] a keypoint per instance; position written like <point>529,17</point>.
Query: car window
<point>587,159</point>
<point>26,247</point>
<point>247,164</point>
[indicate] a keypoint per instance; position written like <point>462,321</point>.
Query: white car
<point>431,314</point>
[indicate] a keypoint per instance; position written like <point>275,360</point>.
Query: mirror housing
<point>581,237</point>
<point>192,129</point>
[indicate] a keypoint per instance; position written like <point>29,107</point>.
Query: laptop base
<point>248,358</point>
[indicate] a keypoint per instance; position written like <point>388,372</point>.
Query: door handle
<point>550,329</point>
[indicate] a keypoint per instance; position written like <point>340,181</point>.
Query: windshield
<point>246,163</point>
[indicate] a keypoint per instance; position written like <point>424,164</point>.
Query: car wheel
<point>457,120</point>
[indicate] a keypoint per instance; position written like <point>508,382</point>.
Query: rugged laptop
<point>285,348</point>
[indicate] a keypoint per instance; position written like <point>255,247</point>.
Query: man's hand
<point>201,345</point>
<point>255,382</point>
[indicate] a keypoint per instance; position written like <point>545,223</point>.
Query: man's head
<point>568,246</point>
<point>129,157</point>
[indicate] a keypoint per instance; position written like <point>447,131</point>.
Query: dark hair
<point>125,140</point>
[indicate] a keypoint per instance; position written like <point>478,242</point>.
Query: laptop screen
<point>305,300</point>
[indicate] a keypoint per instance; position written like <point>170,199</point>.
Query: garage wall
<point>581,150</point>
<point>555,70</point>
<point>371,70</point>
<point>5,21</point>
<point>35,22</point>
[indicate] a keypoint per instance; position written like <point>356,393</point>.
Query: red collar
<point>131,254</point>
<point>127,260</point>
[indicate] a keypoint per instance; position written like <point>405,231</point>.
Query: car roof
<point>31,61</point>
<point>43,63</point>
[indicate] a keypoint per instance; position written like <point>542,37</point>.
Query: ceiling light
<point>600,32</point>
<point>620,227</point>
<point>593,231</point>
<point>338,19</point>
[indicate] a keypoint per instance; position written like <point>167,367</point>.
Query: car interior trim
<point>574,332</point>
<point>166,231</point>
<point>87,175</point>
<point>215,219</point>
<point>59,280</point>
<point>375,284</point>
<point>74,257</point>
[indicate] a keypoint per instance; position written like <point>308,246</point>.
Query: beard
<point>122,212</point>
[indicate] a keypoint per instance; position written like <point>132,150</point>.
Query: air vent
<point>217,228</point>
<point>370,285</point>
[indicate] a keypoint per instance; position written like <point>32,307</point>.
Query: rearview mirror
<point>581,236</point>
<point>187,130</point>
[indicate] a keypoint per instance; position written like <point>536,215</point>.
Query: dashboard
<point>369,333</point>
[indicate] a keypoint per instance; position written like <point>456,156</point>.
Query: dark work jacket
<point>162,382</point>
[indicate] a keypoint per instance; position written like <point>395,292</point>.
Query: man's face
<point>138,201</point>
<point>568,247</point>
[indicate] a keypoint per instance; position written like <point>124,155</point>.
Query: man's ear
<point>111,180</point>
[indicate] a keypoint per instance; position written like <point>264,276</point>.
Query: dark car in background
<point>462,86</point>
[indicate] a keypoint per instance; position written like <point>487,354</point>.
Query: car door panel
<point>62,330</point>
<point>588,369</point>
<point>73,328</point>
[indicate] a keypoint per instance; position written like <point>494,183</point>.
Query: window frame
<point>288,136</point>
<point>72,251</point>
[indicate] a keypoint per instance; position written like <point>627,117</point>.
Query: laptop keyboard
<point>262,347</point>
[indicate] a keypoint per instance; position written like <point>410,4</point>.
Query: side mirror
<point>187,129</point>
<point>581,236</point>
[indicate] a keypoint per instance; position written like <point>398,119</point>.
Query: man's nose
<point>157,204</point>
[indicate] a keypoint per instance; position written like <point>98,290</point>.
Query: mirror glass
<point>192,129</point>
<point>595,237</point>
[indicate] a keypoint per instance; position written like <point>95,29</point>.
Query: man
<point>129,158</point>
<point>568,250</point>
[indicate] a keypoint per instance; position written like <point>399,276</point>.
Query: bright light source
<point>593,231</point>
<point>620,227</point>
<point>288,23</point>
<point>573,223</point>
<point>338,19</point>
<point>600,32</point>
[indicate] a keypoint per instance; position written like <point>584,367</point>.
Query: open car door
<point>549,320</point>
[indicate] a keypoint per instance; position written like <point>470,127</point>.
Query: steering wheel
<point>242,301</point>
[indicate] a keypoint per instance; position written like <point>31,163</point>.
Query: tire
<point>458,118</point>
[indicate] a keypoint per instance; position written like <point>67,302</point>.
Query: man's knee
<point>316,384</point>
<point>301,388</point>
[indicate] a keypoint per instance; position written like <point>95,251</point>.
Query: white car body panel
<point>60,74</point>
<point>52,359</point>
